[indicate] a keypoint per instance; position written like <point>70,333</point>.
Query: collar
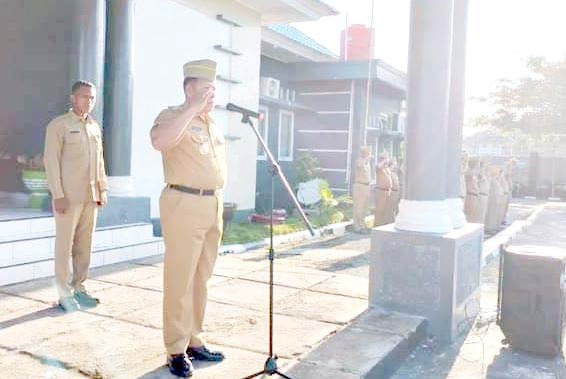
<point>86,120</point>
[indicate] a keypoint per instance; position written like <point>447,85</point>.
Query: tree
<point>535,105</point>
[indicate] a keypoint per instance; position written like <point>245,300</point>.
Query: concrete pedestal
<point>432,276</point>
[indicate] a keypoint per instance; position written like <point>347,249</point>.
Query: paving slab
<point>38,326</point>
<point>248,294</point>
<point>121,299</point>
<point>24,366</point>
<point>14,308</point>
<point>345,285</point>
<point>234,267</point>
<point>43,290</point>
<point>126,273</point>
<point>245,328</point>
<point>320,306</point>
<point>294,277</point>
<point>91,348</point>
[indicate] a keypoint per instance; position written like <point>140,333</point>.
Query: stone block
<point>433,276</point>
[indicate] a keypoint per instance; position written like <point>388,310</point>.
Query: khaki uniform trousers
<point>360,195</point>
<point>73,239</point>
<point>392,207</point>
<point>192,229</point>
<point>482,207</point>
<point>471,207</point>
<point>382,199</point>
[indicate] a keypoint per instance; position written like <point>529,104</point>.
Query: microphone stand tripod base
<point>270,369</point>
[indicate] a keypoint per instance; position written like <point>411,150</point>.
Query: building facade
<point>314,103</point>
<point>133,51</point>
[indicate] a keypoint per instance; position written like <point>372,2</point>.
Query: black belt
<point>193,191</point>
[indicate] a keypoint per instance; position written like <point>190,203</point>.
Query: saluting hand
<point>61,205</point>
<point>202,101</point>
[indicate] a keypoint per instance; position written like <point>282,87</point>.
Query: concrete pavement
<point>319,289</point>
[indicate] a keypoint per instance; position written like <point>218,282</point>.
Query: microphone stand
<point>270,368</point>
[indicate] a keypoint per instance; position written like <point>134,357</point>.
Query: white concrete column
<point>424,208</point>
<point>456,114</point>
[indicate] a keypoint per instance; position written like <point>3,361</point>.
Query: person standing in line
<point>383,184</point>
<point>78,184</point>
<point>395,197</point>
<point>360,190</point>
<point>471,204</point>
<point>484,184</point>
<point>495,192</point>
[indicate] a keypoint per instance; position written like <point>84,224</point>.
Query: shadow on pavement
<point>53,311</point>
<point>514,364</point>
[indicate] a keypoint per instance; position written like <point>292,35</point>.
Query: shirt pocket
<point>73,143</point>
<point>201,143</point>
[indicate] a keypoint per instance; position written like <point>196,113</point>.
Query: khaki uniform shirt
<point>73,159</point>
<point>383,178</point>
<point>484,184</point>
<point>394,181</point>
<point>472,184</point>
<point>363,171</point>
<point>199,159</point>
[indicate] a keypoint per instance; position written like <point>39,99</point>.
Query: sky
<point>501,35</point>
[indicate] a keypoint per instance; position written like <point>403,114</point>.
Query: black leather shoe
<point>180,365</point>
<point>203,354</point>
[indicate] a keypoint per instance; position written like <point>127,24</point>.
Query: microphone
<point>245,112</point>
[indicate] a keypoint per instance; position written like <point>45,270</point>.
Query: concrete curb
<point>336,230</point>
<point>492,246</point>
<point>388,339</point>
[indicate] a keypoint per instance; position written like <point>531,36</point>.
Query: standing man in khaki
<point>395,197</point>
<point>191,205</point>
<point>76,177</point>
<point>360,193</point>
<point>383,185</point>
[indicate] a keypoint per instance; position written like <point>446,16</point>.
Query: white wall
<point>169,33</point>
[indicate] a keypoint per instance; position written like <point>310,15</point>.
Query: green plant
<point>308,167</point>
<point>326,195</point>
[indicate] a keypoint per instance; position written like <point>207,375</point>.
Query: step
<point>40,245</point>
<point>102,256</point>
<point>374,345</point>
<point>20,228</point>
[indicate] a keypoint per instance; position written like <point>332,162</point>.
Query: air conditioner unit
<point>270,87</point>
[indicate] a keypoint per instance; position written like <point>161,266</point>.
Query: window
<point>263,128</point>
<point>286,135</point>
